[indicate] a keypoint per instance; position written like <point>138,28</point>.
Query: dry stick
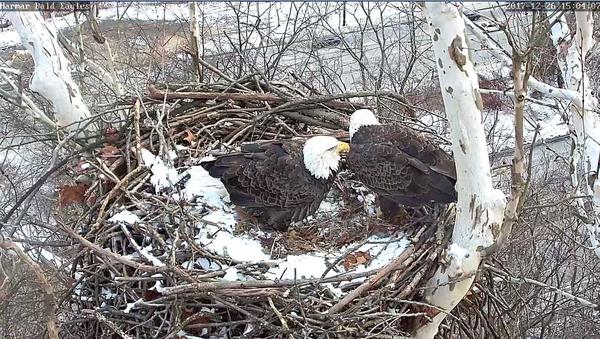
<point>373,281</point>
<point>49,304</point>
<point>161,95</point>
<point>278,314</point>
<point>114,327</point>
<point>38,184</point>
<point>119,258</point>
<point>204,287</point>
<point>308,120</point>
<point>219,73</point>
<point>331,101</point>
<point>305,84</point>
<point>246,313</point>
<point>123,182</point>
<point>567,295</point>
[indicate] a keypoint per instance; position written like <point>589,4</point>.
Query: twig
<point>49,303</point>
<point>373,281</point>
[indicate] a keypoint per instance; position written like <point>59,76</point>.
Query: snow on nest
<point>218,237</point>
<point>216,231</point>
<point>210,190</point>
<point>125,216</point>
<point>163,174</point>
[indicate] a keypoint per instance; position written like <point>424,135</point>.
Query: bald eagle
<point>279,182</point>
<point>399,165</point>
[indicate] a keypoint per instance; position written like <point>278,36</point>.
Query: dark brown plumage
<point>402,166</point>
<point>270,182</point>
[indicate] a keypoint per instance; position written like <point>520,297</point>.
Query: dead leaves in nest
<point>190,137</point>
<point>109,154</point>
<point>305,240</point>
<point>190,316</point>
<point>69,194</point>
<point>357,258</point>
<point>151,294</point>
<point>112,135</point>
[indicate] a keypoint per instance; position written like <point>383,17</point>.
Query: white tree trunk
<point>197,46</point>
<point>51,77</point>
<point>584,124</point>
<point>480,207</point>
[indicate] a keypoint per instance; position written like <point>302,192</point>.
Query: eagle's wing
<point>420,147</point>
<point>266,175</point>
<point>402,165</point>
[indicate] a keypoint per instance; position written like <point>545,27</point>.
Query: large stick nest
<point>154,278</point>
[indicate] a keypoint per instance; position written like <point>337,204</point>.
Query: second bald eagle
<point>399,165</point>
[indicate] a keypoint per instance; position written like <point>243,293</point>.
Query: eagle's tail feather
<point>217,168</point>
<point>443,189</point>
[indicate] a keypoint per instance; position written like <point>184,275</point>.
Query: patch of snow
<point>383,250</point>
<point>163,175</point>
<point>248,329</point>
<point>329,207</point>
<point>126,217</point>
<point>184,335</point>
<point>302,266</point>
<point>210,190</point>
<point>307,266</point>
<point>553,127</point>
<point>221,217</point>
<point>108,294</point>
<point>158,287</point>
<point>223,242</point>
<point>208,265</point>
<point>231,274</point>
<point>145,252</point>
<point>130,306</point>
<point>9,39</point>
<point>335,290</point>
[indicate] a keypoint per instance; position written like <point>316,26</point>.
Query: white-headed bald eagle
<point>279,182</point>
<point>400,165</point>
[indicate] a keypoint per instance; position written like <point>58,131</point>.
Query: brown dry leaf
<point>362,257</point>
<point>431,312</point>
<point>112,135</point>
<point>191,317</point>
<point>357,258</point>
<point>68,195</point>
<point>91,199</point>
<point>190,137</point>
<point>150,295</point>
<point>109,151</point>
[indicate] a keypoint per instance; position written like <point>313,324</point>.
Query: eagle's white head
<point>362,117</point>
<point>322,155</point>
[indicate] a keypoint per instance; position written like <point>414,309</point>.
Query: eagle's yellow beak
<point>342,148</point>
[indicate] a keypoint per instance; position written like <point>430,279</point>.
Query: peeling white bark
<point>480,207</point>
<point>584,124</point>
<point>500,53</point>
<point>51,77</point>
